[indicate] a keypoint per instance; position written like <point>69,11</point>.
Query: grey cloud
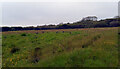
<point>53,12</point>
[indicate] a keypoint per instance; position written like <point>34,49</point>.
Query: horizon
<point>46,13</point>
<point>46,24</point>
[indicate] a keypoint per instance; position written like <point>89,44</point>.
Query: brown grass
<point>55,30</point>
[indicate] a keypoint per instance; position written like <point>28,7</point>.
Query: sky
<point>59,0</point>
<point>44,13</point>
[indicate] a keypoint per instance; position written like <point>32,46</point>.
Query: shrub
<point>24,34</point>
<point>57,32</point>
<point>43,32</point>
<point>37,33</point>
<point>14,50</point>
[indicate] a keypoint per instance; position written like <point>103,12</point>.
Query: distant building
<point>90,18</point>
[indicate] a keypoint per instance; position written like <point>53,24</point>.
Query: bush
<point>14,50</point>
<point>24,34</point>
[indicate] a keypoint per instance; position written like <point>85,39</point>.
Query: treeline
<point>113,22</point>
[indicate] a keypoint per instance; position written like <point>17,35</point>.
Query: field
<point>0,57</point>
<point>95,47</point>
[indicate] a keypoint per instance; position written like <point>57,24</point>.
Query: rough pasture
<point>95,47</point>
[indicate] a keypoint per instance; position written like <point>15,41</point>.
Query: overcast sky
<point>41,13</point>
<point>59,0</point>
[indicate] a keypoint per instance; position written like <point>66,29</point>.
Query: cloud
<point>33,13</point>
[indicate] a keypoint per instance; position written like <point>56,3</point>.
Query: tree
<point>90,18</point>
<point>114,24</point>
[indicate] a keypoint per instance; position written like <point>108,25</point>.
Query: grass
<point>72,48</point>
<point>0,50</point>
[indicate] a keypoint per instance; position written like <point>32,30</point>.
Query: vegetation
<point>95,47</point>
<point>0,50</point>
